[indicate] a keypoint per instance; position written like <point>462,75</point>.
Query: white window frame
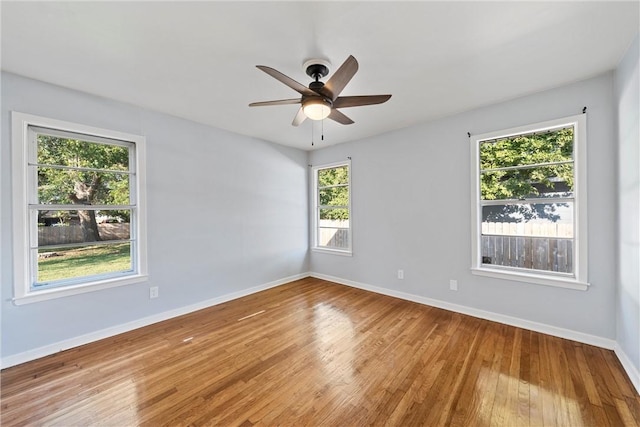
<point>24,292</point>
<point>578,280</point>
<point>315,212</point>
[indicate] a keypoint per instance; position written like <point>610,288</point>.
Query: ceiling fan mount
<point>321,100</point>
<point>316,68</point>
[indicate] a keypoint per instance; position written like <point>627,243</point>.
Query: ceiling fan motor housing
<point>316,85</point>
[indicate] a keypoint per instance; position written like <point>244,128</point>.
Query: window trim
<point>578,280</point>
<point>315,210</point>
<point>20,129</point>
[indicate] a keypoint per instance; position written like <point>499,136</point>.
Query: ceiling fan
<point>322,100</point>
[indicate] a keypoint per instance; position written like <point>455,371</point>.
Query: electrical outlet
<point>453,285</point>
<point>400,274</point>
<point>153,292</point>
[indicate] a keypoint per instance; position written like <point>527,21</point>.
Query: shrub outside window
<point>78,210</point>
<point>529,207</point>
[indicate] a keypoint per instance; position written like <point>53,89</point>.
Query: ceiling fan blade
<point>340,78</point>
<point>298,87</point>
<point>278,102</point>
<point>356,101</point>
<point>299,118</point>
<point>339,117</point>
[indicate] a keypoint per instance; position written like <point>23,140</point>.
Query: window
<point>78,208</point>
<point>332,208</point>
<point>529,203</point>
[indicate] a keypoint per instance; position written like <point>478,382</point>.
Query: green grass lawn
<point>83,261</point>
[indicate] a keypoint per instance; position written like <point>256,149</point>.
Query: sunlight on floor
<point>335,335</point>
<point>92,409</point>
<point>524,403</point>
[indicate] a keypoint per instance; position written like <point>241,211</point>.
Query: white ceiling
<point>197,60</point>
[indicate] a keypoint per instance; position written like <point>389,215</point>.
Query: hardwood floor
<point>315,353</point>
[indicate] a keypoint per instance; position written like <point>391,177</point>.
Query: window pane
<point>533,236</point>
<point>535,219</point>
<point>60,186</point>
<point>334,196</point>
<point>64,227</point>
<point>552,146</point>
<point>536,182</point>
<point>77,153</point>
<point>537,253</point>
<point>333,237</point>
<point>337,214</point>
<point>77,262</point>
<point>333,176</point>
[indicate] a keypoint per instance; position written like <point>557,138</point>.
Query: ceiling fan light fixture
<point>316,109</point>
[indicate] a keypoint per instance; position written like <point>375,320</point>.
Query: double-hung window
<point>529,203</point>
<point>332,208</point>
<point>78,208</point>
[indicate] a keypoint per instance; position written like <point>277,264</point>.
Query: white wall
<point>627,89</point>
<point>228,213</point>
<point>225,213</point>
<point>411,211</point>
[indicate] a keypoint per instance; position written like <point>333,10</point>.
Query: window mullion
<point>526,201</point>
<point>71,207</point>
<point>332,186</point>
<point>80,169</point>
<point>527,166</point>
<point>333,207</point>
<point>83,244</point>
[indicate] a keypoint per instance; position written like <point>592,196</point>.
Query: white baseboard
<point>495,317</point>
<point>631,370</point>
<point>16,359</point>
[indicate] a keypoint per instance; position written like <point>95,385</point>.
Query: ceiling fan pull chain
<point>322,137</point>
<point>312,134</point>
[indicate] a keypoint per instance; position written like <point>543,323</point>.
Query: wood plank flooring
<point>316,353</point>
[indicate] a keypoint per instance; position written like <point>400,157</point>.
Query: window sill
<point>538,279</point>
<point>332,251</point>
<point>47,294</point>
